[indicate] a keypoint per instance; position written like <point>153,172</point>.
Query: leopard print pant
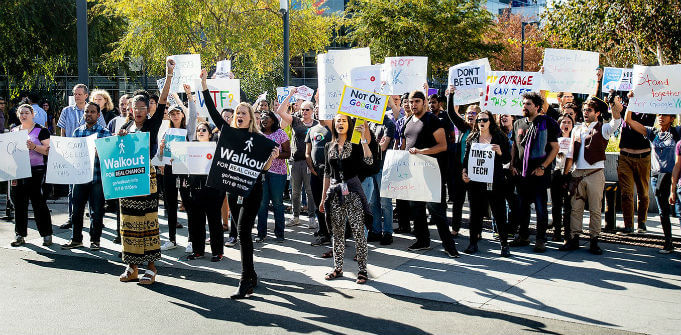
<point>351,210</point>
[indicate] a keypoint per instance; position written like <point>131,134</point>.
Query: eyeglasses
<point>588,110</point>
<point>306,109</point>
<point>482,120</point>
<point>202,130</point>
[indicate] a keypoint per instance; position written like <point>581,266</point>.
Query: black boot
<point>572,243</point>
<point>594,248</point>
<point>245,288</point>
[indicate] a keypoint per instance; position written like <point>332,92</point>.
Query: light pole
<point>81,27</point>
<point>283,9</point>
<point>522,43</point>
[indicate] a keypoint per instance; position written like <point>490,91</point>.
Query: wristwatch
<point>363,141</point>
<point>542,167</point>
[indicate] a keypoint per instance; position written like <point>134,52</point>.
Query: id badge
<point>178,183</point>
<point>489,186</point>
<point>344,189</point>
<point>239,200</point>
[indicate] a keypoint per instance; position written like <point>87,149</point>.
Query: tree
<point>508,33</point>
<point>249,32</point>
<point>447,31</point>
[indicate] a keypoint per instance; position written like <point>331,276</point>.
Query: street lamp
<point>522,43</point>
<point>283,9</point>
<point>81,33</point>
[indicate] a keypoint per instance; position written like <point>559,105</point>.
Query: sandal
<point>130,274</point>
<point>333,275</point>
<point>148,278</point>
<point>362,277</point>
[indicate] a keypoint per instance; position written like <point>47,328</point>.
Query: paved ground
<point>629,289</point>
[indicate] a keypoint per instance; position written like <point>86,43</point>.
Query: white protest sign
<point>160,84</point>
<point>118,122</point>
<point>505,89</point>
<point>70,160</point>
<point>15,162</point>
<point>617,79</point>
<point>570,71</point>
<point>404,74</point>
<point>413,177</point>
<point>226,93</point>
<point>481,163</point>
<point>282,93</point>
<point>192,157</point>
<point>223,68</point>
<point>564,144</point>
<point>363,104</point>
<point>367,77</point>
<point>155,161</point>
<point>303,92</point>
<point>472,74</point>
<point>187,71</point>
<point>468,96</point>
<point>657,89</point>
<point>333,73</point>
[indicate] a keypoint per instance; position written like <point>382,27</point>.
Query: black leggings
<point>245,214</point>
<point>202,204</point>
<point>170,199</point>
<point>480,199</point>
<point>31,188</point>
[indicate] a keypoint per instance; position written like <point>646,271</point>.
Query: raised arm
<point>170,68</point>
<point>635,125</point>
<point>210,105</point>
<point>191,116</point>
<point>282,111</point>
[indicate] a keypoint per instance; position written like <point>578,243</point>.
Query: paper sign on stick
<point>363,104</point>
<point>412,177</point>
<point>187,71</point>
<point>333,73</point>
<point>657,89</point>
<point>124,161</point>
<point>570,71</point>
<point>70,160</point>
<point>505,89</point>
<point>481,163</point>
<point>192,157</point>
<point>15,162</point>
<point>472,74</point>
<point>617,79</point>
<point>226,93</point>
<point>367,77</point>
<point>404,74</point>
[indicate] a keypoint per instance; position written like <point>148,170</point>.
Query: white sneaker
<point>312,223</point>
<point>189,248</point>
<point>294,221</point>
<point>168,245</point>
<point>231,241</point>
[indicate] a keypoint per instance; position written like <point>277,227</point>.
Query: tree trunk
<point>660,55</point>
<point>637,49</point>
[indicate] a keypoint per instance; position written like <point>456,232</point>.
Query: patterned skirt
<point>139,226</point>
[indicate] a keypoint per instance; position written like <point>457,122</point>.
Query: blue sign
<point>124,162</point>
<point>617,79</point>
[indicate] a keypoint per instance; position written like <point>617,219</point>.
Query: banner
<point>657,89</point>
<point>70,160</point>
<point>226,93</point>
<point>172,135</point>
<point>505,89</point>
<point>468,96</point>
<point>238,161</point>
<point>469,75</point>
<point>192,157</point>
<point>124,162</point>
<point>187,71</point>
<point>223,68</point>
<point>404,74</point>
<point>333,73</point>
<point>570,71</point>
<point>15,163</point>
<point>617,79</point>
<point>481,163</point>
<point>363,104</point>
<point>413,177</point>
<point>367,77</point>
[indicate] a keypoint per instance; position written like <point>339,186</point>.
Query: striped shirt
<point>71,118</point>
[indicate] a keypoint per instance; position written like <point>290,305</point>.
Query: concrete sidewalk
<point>628,288</point>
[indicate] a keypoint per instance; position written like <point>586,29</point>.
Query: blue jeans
<point>93,193</point>
<point>380,207</point>
<point>273,190</point>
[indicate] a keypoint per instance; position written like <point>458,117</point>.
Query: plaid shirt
<point>84,131</point>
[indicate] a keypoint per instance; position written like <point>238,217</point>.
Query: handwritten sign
<point>564,145</point>
<point>413,177</point>
<point>367,77</point>
<point>505,89</point>
<point>657,89</point>
<point>617,79</point>
<point>363,104</point>
<point>160,84</point>
<point>70,160</point>
<point>172,135</point>
<point>570,71</point>
<point>333,73</point>
<point>283,92</point>
<point>225,94</point>
<point>404,74</point>
<point>192,157</point>
<point>187,71</point>
<point>304,92</point>
<point>15,162</point>
<point>468,96</point>
<point>481,163</point>
<point>124,161</point>
<point>470,74</point>
<point>223,68</point>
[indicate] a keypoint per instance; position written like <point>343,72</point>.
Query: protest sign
<point>467,96</point>
<point>333,73</point>
<point>432,91</point>
<point>481,163</point>
<point>363,104</point>
<point>564,145</point>
<point>657,89</point>
<point>70,160</point>
<point>304,92</point>
<point>367,77</point>
<point>223,68</point>
<point>413,177</point>
<point>617,79</point>
<point>570,71</point>
<point>187,71</point>
<point>226,93</point>
<point>238,161</point>
<point>165,125</point>
<point>283,92</point>
<point>404,74</point>
<point>15,162</point>
<point>160,84</point>
<point>472,74</point>
<point>505,89</point>
<point>124,162</point>
<point>172,135</point>
<point>192,157</point>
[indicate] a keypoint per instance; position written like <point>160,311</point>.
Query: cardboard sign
<point>505,89</point>
<point>363,104</point>
<point>187,71</point>
<point>404,74</point>
<point>468,75</point>
<point>124,162</point>
<point>570,71</point>
<point>468,96</point>
<point>238,161</point>
<point>304,92</point>
<point>283,92</point>
<point>226,93</point>
<point>333,73</point>
<point>223,68</point>
<point>367,77</point>
<point>172,135</point>
<point>192,157</point>
<point>657,89</point>
<point>413,177</point>
<point>481,163</point>
<point>15,162</point>
<point>70,160</point>
<point>617,79</point>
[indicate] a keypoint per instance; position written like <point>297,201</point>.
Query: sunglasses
<point>482,120</point>
<point>202,130</point>
<point>306,109</point>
